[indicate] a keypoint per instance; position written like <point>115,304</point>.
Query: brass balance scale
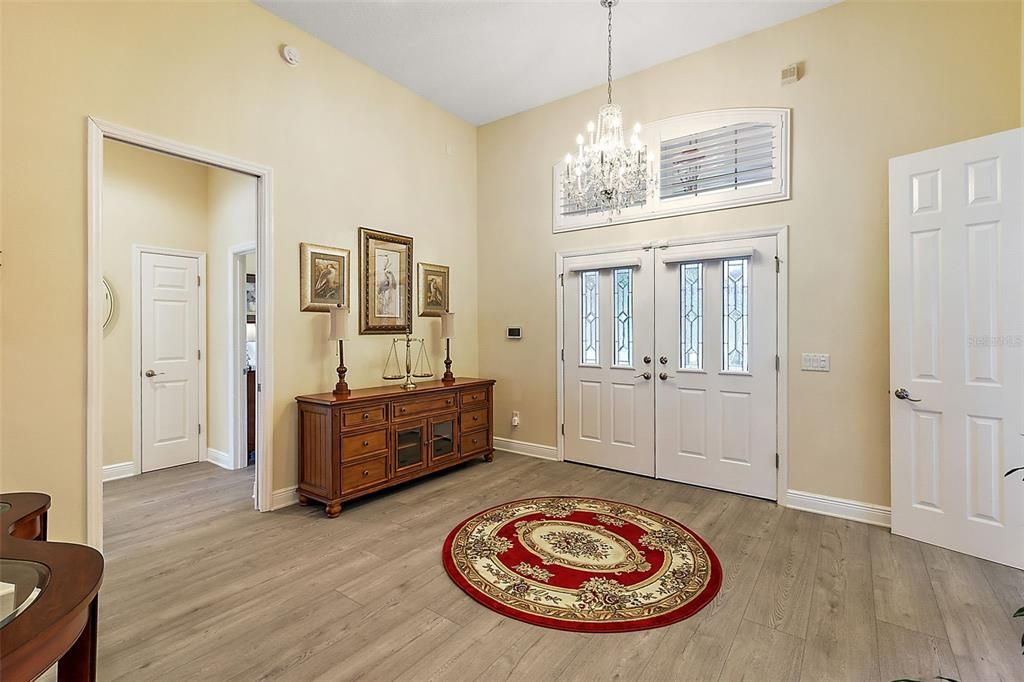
<point>420,370</point>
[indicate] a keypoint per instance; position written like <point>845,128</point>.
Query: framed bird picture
<point>385,277</point>
<point>323,277</point>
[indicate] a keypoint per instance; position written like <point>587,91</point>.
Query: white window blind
<point>706,161</point>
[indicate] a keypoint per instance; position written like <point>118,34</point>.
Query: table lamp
<point>339,332</point>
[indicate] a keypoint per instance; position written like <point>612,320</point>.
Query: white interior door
<point>169,354</point>
<point>608,341</point>
<point>717,378</point>
<point>956,258</point>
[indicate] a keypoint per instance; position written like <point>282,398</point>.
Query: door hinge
<point>199,280</point>
<point>199,355</point>
<point>200,429</point>
<point>563,355</point>
<point>259,388</point>
<point>561,280</point>
<point>776,460</point>
<point>778,363</point>
<point>778,264</point>
<point>563,429</point>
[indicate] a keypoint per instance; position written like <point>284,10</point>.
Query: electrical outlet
<point>515,418</point>
<point>816,362</point>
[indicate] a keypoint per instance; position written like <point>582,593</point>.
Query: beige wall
<point>882,79</point>
<point>348,148</point>
<point>232,220</point>
<point>152,200</point>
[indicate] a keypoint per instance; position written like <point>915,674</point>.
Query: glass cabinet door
<point>442,434</point>
<point>409,446</point>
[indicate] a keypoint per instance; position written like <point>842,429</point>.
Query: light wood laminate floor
<point>200,587</point>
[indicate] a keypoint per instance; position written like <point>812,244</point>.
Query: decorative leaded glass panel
<point>623,281</point>
<point>735,315</point>
<point>691,316</point>
<point>589,318</point>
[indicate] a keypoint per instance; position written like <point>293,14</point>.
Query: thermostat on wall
<point>514,333</point>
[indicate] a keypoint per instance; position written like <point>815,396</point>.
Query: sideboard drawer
<point>474,419</point>
<point>475,442</point>
<point>416,408</point>
<point>471,398</point>
<point>358,444</point>
<point>365,416</point>
<point>364,474</point>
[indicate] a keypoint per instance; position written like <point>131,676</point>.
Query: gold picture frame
<point>323,277</point>
<point>434,289</point>
<point>385,277</point>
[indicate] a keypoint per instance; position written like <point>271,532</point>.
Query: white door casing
<point>170,343</point>
<point>717,420</point>
<point>609,404</point>
<point>956,258</point>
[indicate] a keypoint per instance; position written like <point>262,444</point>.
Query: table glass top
<point>21,583</point>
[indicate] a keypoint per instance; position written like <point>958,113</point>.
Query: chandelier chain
<point>609,53</point>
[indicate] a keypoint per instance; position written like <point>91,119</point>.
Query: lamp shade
<point>447,325</point>
<point>339,324</point>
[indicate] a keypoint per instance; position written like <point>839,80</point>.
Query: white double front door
<point>670,363</point>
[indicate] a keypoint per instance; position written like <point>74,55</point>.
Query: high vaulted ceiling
<point>485,60</point>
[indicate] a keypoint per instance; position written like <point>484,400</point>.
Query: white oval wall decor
<point>290,55</point>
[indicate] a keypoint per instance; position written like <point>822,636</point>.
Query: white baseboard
<point>284,497</point>
<point>221,459</point>
<point>520,448</point>
<point>112,472</point>
<point>874,514</point>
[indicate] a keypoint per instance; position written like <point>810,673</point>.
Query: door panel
<point>609,329</point>
<point>717,382</point>
<point>956,249</point>
<point>169,323</point>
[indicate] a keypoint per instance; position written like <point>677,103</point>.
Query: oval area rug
<point>582,564</point>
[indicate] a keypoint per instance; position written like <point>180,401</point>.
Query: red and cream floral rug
<point>583,564</point>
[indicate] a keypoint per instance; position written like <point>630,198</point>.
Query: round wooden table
<point>48,596</point>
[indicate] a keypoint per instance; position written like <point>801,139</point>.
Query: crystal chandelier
<point>605,175</point>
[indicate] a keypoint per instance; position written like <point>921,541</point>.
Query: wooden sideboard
<point>374,438</point>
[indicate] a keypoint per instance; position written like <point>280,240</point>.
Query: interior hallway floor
<point>200,587</point>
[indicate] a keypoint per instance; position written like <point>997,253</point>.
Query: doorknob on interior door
<point>647,359</point>
<point>150,373</point>
<point>663,376</point>
<point>645,375</point>
<point>663,360</point>
<point>904,394</point>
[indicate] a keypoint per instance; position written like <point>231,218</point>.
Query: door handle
<point>647,359</point>
<point>150,373</point>
<point>663,376</point>
<point>904,394</point>
<point>645,375</point>
<point>663,360</point>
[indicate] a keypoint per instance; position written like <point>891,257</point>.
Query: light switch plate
<point>816,362</point>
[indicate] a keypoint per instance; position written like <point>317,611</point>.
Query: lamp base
<point>448,377</point>
<point>341,388</point>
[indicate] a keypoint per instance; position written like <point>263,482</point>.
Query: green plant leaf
<point>1019,613</point>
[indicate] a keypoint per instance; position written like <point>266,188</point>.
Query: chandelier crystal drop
<point>606,175</point>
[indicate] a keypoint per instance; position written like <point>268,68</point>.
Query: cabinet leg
<point>303,501</point>
<point>489,457</point>
<point>332,509</point>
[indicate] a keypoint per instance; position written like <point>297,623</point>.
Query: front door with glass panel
<point>609,334</point>
<point>716,386</point>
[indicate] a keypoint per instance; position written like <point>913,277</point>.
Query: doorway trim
<point>98,130</point>
<point>781,234</point>
<point>137,251</point>
<point>237,335</point>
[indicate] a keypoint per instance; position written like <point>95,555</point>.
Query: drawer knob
<point>401,409</point>
<point>476,418</point>
<point>366,415</point>
<point>475,441</point>
<point>366,443</point>
<point>448,402</point>
<point>366,472</point>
